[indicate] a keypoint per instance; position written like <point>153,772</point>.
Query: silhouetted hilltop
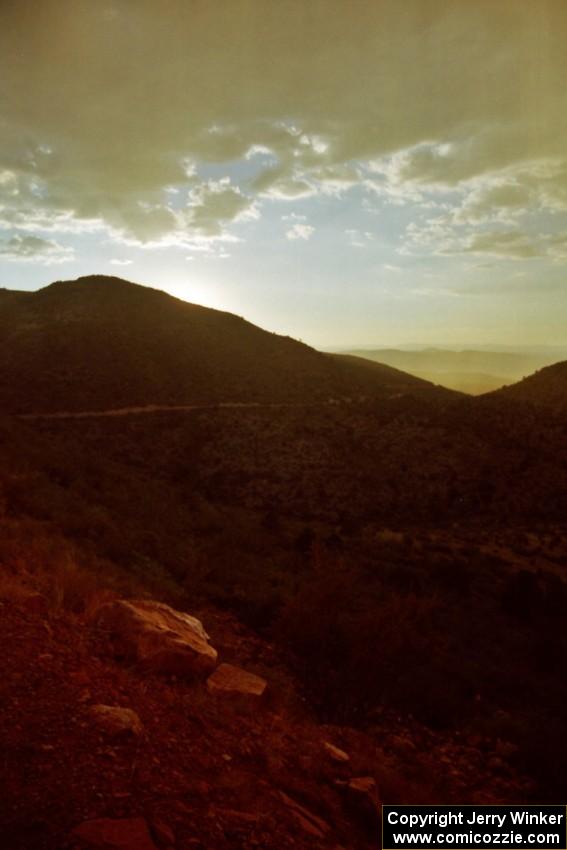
<point>12,294</point>
<point>102,342</point>
<point>548,387</point>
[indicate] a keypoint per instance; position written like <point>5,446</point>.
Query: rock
<point>241,821</point>
<point>243,817</point>
<point>401,745</point>
<point>231,680</point>
<point>335,754</point>
<point>163,833</point>
<point>310,823</point>
<point>158,637</point>
<point>362,796</point>
<point>116,721</point>
<point>364,785</point>
<point>109,834</point>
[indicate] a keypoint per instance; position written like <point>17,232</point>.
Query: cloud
<point>512,244</point>
<point>216,202</point>
<point>557,246</point>
<point>441,236</point>
<point>359,238</point>
<point>106,117</point>
<point>116,262</point>
<point>300,231</point>
<point>283,183</point>
<point>435,292</point>
<point>503,200</point>
<point>34,249</point>
<point>511,286</point>
<point>435,235</point>
<point>293,217</point>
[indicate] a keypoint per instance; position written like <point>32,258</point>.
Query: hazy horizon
<point>559,350</point>
<point>365,345</point>
<point>337,172</point>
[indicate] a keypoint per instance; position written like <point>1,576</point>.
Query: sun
<point>195,290</point>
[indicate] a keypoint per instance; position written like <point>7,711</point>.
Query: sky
<point>348,172</point>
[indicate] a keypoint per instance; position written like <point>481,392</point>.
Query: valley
<point>397,554</point>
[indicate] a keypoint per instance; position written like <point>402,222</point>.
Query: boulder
<point>157,637</point>
<point>364,786</point>
<point>110,834</point>
<point>232,681</point>
<point>310,823</point>
<point>163,833</point>
<point>401,745</point>
<point>116,721</point>
<point>335,754</point>
<point>362,796</point>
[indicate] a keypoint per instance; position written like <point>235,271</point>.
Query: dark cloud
<point>106,107</point>
<point>35,249</point>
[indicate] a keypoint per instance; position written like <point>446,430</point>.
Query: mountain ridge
<point>101,342</point>
<point>547,388</point>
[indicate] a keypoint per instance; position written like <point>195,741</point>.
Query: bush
<point>357,646</point>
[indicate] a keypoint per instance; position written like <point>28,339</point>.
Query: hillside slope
<point>187,768</point>
<point>101,342</point>
<point>12,294</point>
<point>546,388</point>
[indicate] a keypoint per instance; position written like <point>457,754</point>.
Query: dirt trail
<point>158,408</point>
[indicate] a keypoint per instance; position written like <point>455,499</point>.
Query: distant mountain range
<point>470,371</point>
<point>102,342</point>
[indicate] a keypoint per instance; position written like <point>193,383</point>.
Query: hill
<point>11,294</point>
<point>101,342</point>
<point>404,552</point>
<point>546,388</point>
<point>471,371</point>
<point>402,559</point>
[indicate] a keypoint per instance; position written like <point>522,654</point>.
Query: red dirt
<point>203,771</point>
<point>212,775</point>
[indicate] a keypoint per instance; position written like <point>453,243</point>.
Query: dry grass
<point>35,560</point>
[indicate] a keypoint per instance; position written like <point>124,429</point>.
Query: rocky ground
<point>100,751</point>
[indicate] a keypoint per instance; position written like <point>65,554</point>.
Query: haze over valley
<point>469,370</point>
